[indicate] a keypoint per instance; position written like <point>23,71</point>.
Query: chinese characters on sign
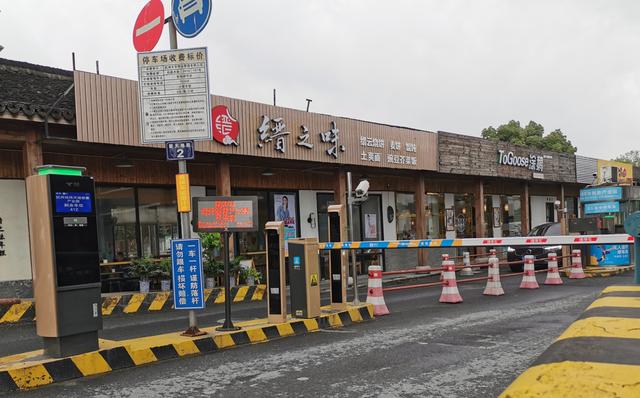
<point>224,213</point>
<point>174,95</point>
<point>332,136</point>
<point>600,194</point>
<point>377,156</point>
<point>277,127</point>
<point>534,163</point>
<point>3,250</point>
<point>601,207</point>
<point>226,129</point>
<point>186,260</point>
<point>275,130</point>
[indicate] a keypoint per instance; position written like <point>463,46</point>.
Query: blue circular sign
<point>632,224</point>
<point>190,16</point>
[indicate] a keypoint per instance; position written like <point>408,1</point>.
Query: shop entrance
<point>368,226</point>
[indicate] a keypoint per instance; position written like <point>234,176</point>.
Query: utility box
<point>338,259</point>
<point>304,278</point>
<point>276,287</point>
<point>64,258</point>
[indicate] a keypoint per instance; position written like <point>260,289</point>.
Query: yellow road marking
<point>626,302</point>
<point>621,289</point>
<point>159,300</point>
<point>256,335</point>
<point>220,298</point>
<point>576,379</point>
<point>109,304</point>
<point>258,293</point>
<point>134,303</point>
<point>186,348</point>
<point>141,356</point>
<point>603,327</point>
<point>91,363</point>
<point>16,311</point>
<point>30,377</point>
<point>242,291</point>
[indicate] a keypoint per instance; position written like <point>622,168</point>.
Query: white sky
<point>447,65</point>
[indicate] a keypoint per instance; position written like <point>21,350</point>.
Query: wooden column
<point>31,153</point>
<point>479,205</point>
<point>223,177</point>
<point>524,209</point>
<point>340,187</point>
<point>421,221</point>
<point>564,228</point>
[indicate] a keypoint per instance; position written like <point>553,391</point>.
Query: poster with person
<point>285,210</point>
<point>371,226</point>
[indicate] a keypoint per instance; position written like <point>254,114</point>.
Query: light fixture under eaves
<point>267,173</point>
<point>123,162</point>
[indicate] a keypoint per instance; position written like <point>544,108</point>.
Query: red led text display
<point>215,214</point>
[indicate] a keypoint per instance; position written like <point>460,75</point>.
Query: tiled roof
<point>29,89</point>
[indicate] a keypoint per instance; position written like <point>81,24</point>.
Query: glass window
<point>324,200</point>
<point>405,216</point>
<point>251,242</point>
<point>116,214</point>
<point>435,215</point>
<point>158,220</point>
<point>511,215</point>
<point>464,219</point>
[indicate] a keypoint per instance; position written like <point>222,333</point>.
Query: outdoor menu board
<point>225,213</point>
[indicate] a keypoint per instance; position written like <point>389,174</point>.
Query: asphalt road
<point>426,349</point>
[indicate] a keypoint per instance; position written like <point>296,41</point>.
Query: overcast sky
<point>447,65</point>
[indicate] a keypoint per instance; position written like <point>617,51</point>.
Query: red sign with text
<point>226,129</point>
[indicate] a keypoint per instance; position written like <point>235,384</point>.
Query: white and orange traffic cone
<point>529,276</point>
<point>576,265</point>
<point>445,257</point>
<point>374,291</point>
<point>553,276</point>
<point>450,293</point>
<point>494,286</point>
<point>466,261</point>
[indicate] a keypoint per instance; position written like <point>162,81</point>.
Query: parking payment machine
<point>304,279</point>
<point>64,257</point>
<point>338,259</point>
<point>276,287</point>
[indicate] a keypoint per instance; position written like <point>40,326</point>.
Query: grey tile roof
<point>29,89</point>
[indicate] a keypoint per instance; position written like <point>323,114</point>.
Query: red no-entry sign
<point>148,26</point>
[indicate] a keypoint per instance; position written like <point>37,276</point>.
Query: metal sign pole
<point>228,324</point>
<point>354,272</point>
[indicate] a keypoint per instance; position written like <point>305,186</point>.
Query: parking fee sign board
<point>190,16</point>
<point>174,95</point>
<point>186,260</point>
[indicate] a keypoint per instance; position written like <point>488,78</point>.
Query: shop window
<point>572,206</point>
<point>550,212</point>
<point>511,215</point>
<point>158,220</point>
<point>323,200</point>
<point>435,215</point>
<point>253,242</point>
<point>116,219</point>
<point>405,216</point>
<point>464,216</point>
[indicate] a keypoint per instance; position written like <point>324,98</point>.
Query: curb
<point>131,303</point>
<point>30,376</point>
<point>597,355</point>
<point>601,272</point>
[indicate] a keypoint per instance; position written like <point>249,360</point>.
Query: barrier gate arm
<point>483,242</point>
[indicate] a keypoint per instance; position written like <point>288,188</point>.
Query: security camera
<point>557,203</point>
<point>362,189</point>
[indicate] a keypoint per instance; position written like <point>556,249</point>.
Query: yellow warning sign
<point>314,279</point>
<point>182,193</point>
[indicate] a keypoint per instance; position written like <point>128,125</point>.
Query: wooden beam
<point>479,213</point>
<point>340,187</point>
<point>31,153</point>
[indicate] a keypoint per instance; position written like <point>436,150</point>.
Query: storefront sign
<point>607,255</point>
<point>183,193</point>
<point>186,261</point>
<point>612,171</point>
<point>225,214</point>
<point>600,194</point>
<point>368,155</point>
<point>275,130</point>
<point>226,129</point>
<point>531,162</point>
<point>601,207</point>
<point>285,211</point>
<point>174,100</point>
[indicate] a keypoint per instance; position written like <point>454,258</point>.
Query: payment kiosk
<point>338,259</point>
<point>304,279</point>
<point>276,287</point>
<point>64,258</point>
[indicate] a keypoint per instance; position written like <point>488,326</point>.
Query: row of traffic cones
<point>450,292</point>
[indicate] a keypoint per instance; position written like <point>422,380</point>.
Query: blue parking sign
<point>186,261</point>
<point>190,16</point>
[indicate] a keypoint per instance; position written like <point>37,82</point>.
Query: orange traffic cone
<point>450,293</point>
<point>553,276</point>
<point>494,286</point>
<point>374,291</point>
<point>445,257</point>
<point>529,277</point>
<point>576,265</point>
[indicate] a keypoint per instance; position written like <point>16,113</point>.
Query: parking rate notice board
<point>174,95</point>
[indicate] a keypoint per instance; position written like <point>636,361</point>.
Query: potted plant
<point>142,268</point>
<point>251,276</point>
<point>163,272</point>
<point>234,270</point>
<point>212,270</point>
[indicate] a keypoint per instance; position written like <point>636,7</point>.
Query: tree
<point>632,156</point>
<point>532,135</point>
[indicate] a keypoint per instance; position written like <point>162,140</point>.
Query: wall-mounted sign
<point>601,207</point>
<point>174,100</point>
<point>609,255</point>
<point>401,153</point>
<point>532,162</point>
<point>179,150</point>
<point>225,213</point>
<point>226,129</point>
<point>601,194</point>
<point>612,171</point>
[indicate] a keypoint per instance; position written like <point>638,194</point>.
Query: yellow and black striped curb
<point>23,376</point>
<point>607,271</point>
<point>136,302</point>
<point>596,356</point>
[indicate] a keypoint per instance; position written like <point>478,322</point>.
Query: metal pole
<point>354,272</point>
<point>185,229</point>
<point>228,324</point>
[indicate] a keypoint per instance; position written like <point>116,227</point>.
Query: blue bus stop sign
<point>632,227</point>
<point>190,16</point>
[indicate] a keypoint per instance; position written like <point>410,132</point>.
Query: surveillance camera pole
<point>356,301</point>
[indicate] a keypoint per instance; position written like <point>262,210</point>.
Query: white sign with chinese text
<point>174,95</point>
